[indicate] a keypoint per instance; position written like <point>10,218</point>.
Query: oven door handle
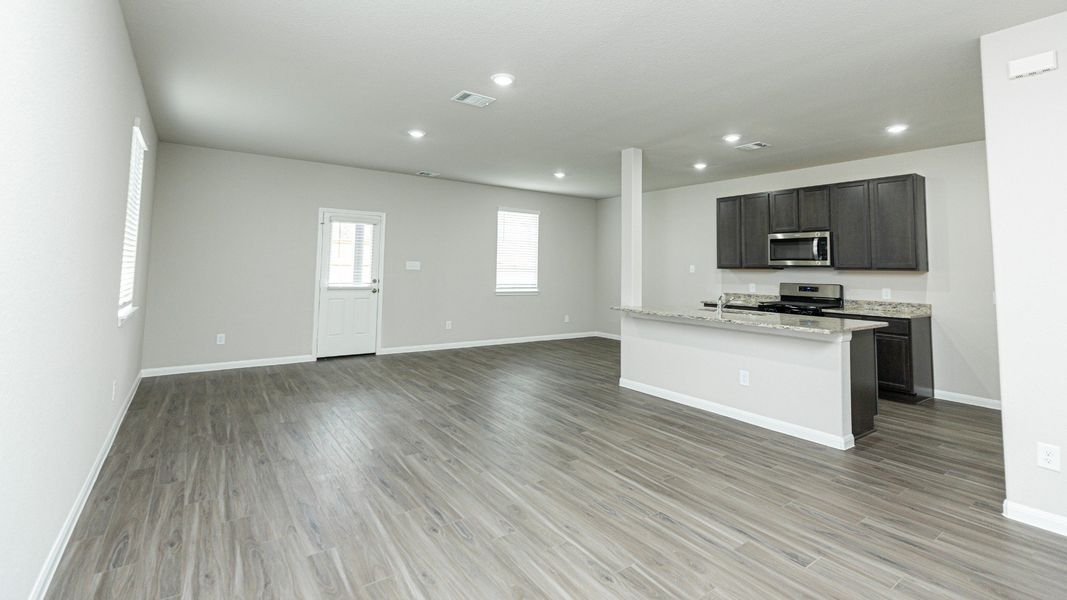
<point>815,248</point>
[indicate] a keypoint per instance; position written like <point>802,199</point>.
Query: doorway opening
<point>348,283</point>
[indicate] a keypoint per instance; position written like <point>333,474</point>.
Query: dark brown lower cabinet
<point>894,362</point>
<point>864,382</point>
<point>905,358</point>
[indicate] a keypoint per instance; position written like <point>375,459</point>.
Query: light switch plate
<point>413,265</point>
<point>887,294</point>
<point>742,377</point>
<point>220,338</point>
<point>692,268</point>
<point>752,288</point>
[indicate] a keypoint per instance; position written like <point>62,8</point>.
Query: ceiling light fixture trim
<point>502,79</point>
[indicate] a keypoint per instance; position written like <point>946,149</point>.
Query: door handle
<point>374,290</point>
<point>374,281</point>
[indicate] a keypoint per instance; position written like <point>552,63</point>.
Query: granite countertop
<point>747,318</point>
<point>862,308</point>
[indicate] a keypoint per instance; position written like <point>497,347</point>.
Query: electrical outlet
<point>413,265</point>
<point>566,318</point>
<point>220,338</point>
<point>887,293</point>
<point>742,377</point>
<point>448,324</point>
<point>752,288</point>
<point>692,268</point>
<point>1048,456</point>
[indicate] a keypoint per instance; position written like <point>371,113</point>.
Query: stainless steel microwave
<point>804,249</point>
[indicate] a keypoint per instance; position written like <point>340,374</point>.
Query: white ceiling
<point>341,81</point>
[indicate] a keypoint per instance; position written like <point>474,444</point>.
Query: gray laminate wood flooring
<point>525,471</point>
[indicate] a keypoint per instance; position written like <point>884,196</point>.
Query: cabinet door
<point>850,225</point>
<point>893,225</point>
<point>894,362</point>
<point>728,232</point>
<point>814,210</point>
<point>755,226</point>
<point>784,217</point>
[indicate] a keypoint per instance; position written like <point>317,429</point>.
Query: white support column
<point>631,227</point>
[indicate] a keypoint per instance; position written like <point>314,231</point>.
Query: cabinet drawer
<point>896,326</point>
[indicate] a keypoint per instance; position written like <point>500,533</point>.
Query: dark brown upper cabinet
<point>874,223</point>
<point>728,232</point>
<point>814,209</point>
<point>784,217</point>
<point>898,223</point>
<point>755,226</point>
<point>850,215</point>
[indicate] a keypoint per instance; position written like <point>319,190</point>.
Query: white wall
<point>679,230</point>
<point>70,95</point>
<point>608,261</point>
<point>1026,129</point>
<point>233,251</point>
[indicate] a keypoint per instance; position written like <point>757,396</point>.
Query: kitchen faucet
<point>721,304</point>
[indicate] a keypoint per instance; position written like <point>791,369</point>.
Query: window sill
<point>518,292</point>
<point>126,312</point>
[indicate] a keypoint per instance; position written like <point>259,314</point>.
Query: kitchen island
<point>814,378</point>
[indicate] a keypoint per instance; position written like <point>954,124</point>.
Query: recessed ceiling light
<point>731,137</point>
<point>897,128</point>
<point>700,166</point>
<point>416,133</point>
<point>560,174</point>
<point>503,79</point>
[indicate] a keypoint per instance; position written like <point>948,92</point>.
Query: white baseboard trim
<point>222,366</point>
<point>610,336</point>
<point>967,399</point>
<point>804,433</point>
<point>44,578</point>
<point>493,342</point>
<point>1035,517</point>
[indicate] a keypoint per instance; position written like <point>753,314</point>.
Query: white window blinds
<point>351,254</point>
<point>517,235</point>
<point>133,221</point>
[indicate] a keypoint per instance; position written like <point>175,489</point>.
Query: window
<point>351,254</point>
<point>516,251</point>
<point>133,222</point>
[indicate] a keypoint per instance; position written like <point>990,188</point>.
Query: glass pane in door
<point>351,253</point>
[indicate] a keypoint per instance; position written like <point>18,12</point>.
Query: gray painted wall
<point>608,264</point>
<point>679,231</point>
<point>233,252</point>
<point>1026,126</point>
<point>71,93</point>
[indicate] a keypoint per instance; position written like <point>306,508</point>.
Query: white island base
<point>804,374</point>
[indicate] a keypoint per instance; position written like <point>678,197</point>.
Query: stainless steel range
<point>805,298</point>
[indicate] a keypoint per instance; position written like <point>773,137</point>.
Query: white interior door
<point>349,284</point>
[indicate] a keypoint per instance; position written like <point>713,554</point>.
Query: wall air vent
<point>473,99</point>
<point>428,174</point>
<point>752,146</point>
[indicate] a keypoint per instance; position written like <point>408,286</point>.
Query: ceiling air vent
<point>473,99</point>
<point>428,174</point>
<point>752,146</point>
